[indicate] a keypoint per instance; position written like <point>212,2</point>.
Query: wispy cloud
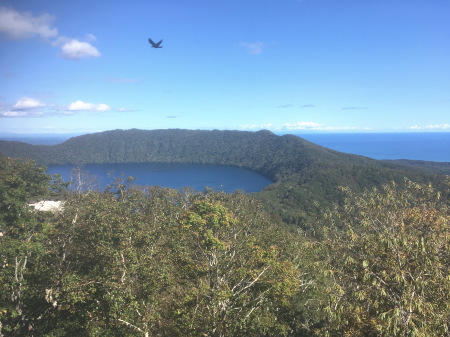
<point>27,107</point>
<point>431,127</point>
<point>24,25</point>
<point>301,125</point>
<point>125,110</point>
<point>26,103</point>
<point>354,108</point>
<point>286,106</point>
<point>21,113</point>
<point>256,127</point>
<point>24,107</point>
<point>301,106</point>
<point>254,48</point>
<point>91,38</point>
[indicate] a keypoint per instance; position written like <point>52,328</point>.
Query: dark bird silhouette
<point>155,45</point>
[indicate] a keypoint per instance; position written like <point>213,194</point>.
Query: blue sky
<point>284,65</point>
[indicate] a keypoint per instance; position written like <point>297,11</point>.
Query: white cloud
<point>30,107</point>
<point>253,47</point>
<point>439,126</point>
<point>311,126</point>
<point>125,110</point>
<point>74,49</point>
<point>257,127</point>
<point>26,103</point>
<point>302,126</point>
<point>431,127</point>
<point>21,113</point>
<point>22,25</point>
<point>83,106</point>
<point>24,107</point>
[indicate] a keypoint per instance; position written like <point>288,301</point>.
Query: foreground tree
<point>239,284</point>
<point>114,268</point>
<point>150,261</point>
<point>135,261</point>
<point>20,183</point>
<point>389,263</point>
<point>25,262</point>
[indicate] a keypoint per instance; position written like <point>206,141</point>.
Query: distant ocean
<point>431,146</point>
<point>36,139</point>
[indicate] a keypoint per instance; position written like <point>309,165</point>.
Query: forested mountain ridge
<point>262,151</point>
<point>271,155</point>
<point>305,175</point>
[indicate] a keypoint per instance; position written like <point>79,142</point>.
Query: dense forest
<point>338,245</point>
<point>305,175</point>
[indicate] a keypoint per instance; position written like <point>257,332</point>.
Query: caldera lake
<point>172,175</point>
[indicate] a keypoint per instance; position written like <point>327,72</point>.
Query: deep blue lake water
<point>432,146</point>
<point>197,176</point>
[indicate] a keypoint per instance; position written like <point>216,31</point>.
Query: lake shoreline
<point>197,176</point>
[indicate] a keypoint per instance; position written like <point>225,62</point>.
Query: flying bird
<point>155,45</point>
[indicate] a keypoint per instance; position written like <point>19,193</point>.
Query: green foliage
<point>20,182</point>
<point>209,224</point>
<point>24,258</point>
<point>388,260</point>
<point>437,167</point>
<point>140,261</point>
<point>149,261</point>
<point>239,283</point>
<point>305,175</point>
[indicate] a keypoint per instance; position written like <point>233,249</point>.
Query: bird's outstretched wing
<point>155,45</point>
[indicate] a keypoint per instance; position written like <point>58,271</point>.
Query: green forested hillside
<point>272,155</point>
<point>306,176</point>
<point>149,261</point>
<point>263,151</point>
<point>436,167</point>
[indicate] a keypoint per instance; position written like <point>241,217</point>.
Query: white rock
<point>48,205</point>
